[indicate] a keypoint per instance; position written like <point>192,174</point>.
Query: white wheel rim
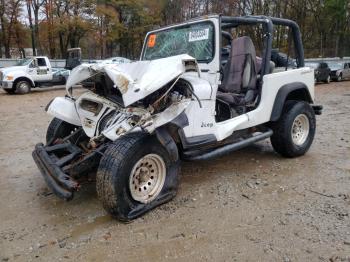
<point>300,129</point>
<point>147,178</point>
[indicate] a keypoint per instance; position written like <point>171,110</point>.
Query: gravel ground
<point>251,205</point>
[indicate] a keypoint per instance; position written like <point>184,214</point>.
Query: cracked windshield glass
<point>196,40</point>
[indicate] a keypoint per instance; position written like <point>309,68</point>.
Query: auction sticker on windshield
<point>199,35</point>
<point>152,41</point>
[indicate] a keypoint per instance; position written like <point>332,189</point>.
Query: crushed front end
<point>118,103</point>
<point>65,165</point>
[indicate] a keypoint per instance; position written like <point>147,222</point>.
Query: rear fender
<point>293,91</point>
<point>64,108</point>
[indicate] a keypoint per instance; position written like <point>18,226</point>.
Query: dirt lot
<point>251,205</point>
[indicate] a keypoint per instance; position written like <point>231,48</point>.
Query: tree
<point>33,8</point>
<point>9,14</point>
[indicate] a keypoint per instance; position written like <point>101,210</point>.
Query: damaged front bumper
<point>63,166</point>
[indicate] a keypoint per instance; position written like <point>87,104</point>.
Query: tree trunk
<point>32,34</point>
<point>4,38</point>
<point>36,27</point>
<point>3,35</point>
<point>0,48</point>
<point>62,47</point>
<point>49,18</point>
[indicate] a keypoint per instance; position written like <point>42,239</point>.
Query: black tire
<point>58,129</point>
<point>281,139</point>
<point>9,91</point>
<point>339,78</point>
<point>23,87</point>
<point>328,79</point>
<point>112,180</point>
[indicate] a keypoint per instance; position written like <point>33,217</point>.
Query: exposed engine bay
<point>111,107</point>
<point>104,114</point>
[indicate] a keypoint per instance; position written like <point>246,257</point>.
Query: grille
<point>1,75</point>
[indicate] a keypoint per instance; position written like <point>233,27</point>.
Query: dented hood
<point>138,79</point>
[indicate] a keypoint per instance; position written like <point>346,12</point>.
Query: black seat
<point>239,85</point>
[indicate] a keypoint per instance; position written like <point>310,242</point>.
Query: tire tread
<point>118,153</point>
<point>280,138</point>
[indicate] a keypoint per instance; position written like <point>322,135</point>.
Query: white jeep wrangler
<point>186,99</point>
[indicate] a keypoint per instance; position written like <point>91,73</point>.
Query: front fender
<point>64,108</point>
<point>21,74</point>
<point>167,115</point>
<point>150,123</point>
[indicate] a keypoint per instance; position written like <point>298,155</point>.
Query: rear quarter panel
<point>271,84</point>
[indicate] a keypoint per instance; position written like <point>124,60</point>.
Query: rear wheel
<point>58,129</point>
<point>23,87</point>
<point>328,79</point>
<point>295,130</point>
<point>339,78</point>
<point>135,174</point>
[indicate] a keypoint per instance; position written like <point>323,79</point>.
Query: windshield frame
<point>179,26</point>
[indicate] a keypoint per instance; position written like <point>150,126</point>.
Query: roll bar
<point>268,24</point>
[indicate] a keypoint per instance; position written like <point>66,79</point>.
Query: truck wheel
<point>58,129</point>
<point>328,80</point>
<point>23,87</point>
<point>294,132</point>
<point>339,78</point>
<point>135,175</point>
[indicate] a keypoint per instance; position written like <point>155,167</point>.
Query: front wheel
<point>328,79</point>
<point>339,78</point>
<point>23,87</point>
<point>135,175</point>
<point>295,130</point>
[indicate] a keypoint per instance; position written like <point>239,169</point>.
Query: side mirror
<point>32,64</point>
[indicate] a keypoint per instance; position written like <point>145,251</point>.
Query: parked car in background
<point>340,70</point>
<point>322,71</point>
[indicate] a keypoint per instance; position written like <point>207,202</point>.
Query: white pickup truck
<point>36,72</point>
